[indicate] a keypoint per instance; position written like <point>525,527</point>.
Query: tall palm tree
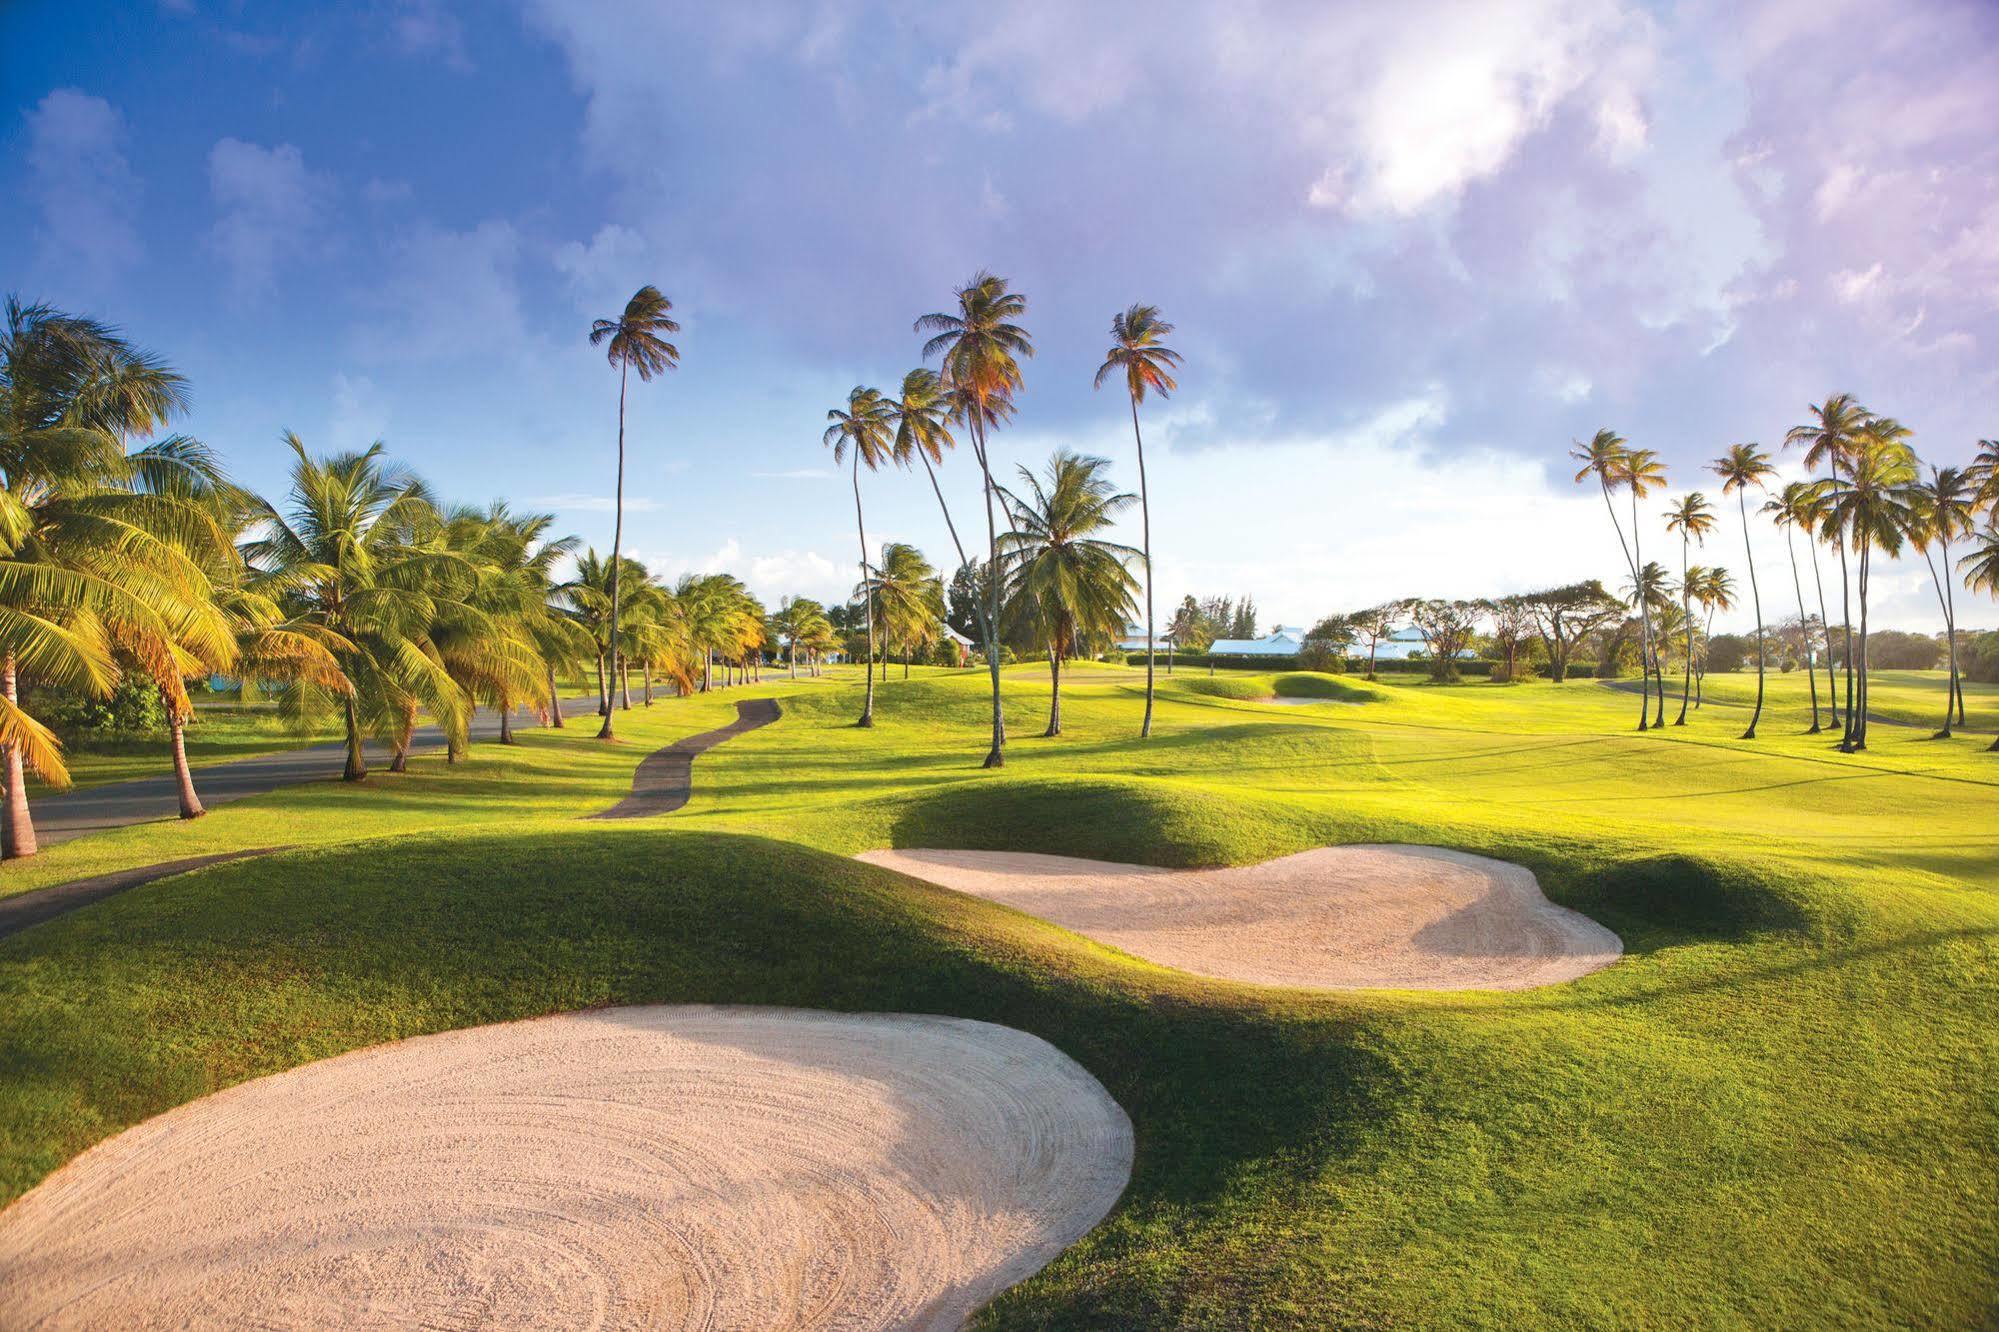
<point>1939,510</point>
<point>1693,520</point>
<point>981,345</point>
<point>1790,509</point>
<point>1061,577</point>
<point>637,341</point>
<point>1828,440</point>
<point>1744,466</point>
<point>1146,362</point>
<point>1604,458</point>
<point>351,554</point>
<point>1641,472</point>
<point>1712,589</point>
<point>1868,504</point>
<point>1980,569</point>
<point>863,428</point>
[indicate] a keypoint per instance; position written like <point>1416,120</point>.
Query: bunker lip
<point>1343,917</point>
<point>664,1165</point>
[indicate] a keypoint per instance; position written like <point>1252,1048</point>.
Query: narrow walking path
<point>665,780</point>
<point>20,911</point>
<point>63,815</point>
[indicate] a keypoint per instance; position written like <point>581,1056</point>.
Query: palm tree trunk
<point>1846,640</point>
<point>1950,685</point>
<point>603,687</point>
<point>617,545</point>
<point>1804,626</point>
<point>625,682</point>
<point>1145,520</point>
<point>1054,692</point>
<point>646,667</point>
<point>1950,632</point>
<point>867,598</point>
<point>400,760</point>
<point>905,661</point>
<point>1647,662</point>
<point>1755,601</point>
<point>1860,705</point>
<point>996,757</point>
<point>1825,632</point>
<point>357,765</point>
<point>17,830</point>
<point>1687,614</point>
<point>190,800</point>
<point>554,700</point>
<point>506,706</point>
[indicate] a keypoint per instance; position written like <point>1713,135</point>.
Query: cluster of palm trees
<point>358,596</point>
<point>1866,492</point>
<point>1047,564</point>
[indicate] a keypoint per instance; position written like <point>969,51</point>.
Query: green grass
<point>1778,1110</point>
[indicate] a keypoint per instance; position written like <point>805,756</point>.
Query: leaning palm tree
<point>1072,584</point>
<point>1693,520</point>
<point>1791,509</point>
<point>1980,569</point>
<point>1940,510</point>
<point>1146,363</point>
<point>909,600</point>
<point>1868,504</point>
<point>1828,440</point>
<point>92,561</point>
<point>1712,589</point>
<point>863,429</point>
<point>981,346</point>
<point>637,342</point>
<point>1743,466</point>
<point>1603,459</point>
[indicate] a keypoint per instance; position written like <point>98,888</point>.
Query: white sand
<point>690,1167</point>
<point>1344,917</point>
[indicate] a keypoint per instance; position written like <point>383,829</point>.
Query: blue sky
<point>1412,251</point>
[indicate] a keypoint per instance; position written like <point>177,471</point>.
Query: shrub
<point>133,709</point>
<point>1728,652</point>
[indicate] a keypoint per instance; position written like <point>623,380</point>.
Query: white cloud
<point>1852,285</point>
<point>603,274</point>
<point>427,27</point>
<point>271,210</point>
<point>450,295</point>
<point>84,188</point>
<point>577,502</point>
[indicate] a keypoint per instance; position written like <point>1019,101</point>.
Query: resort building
<point>1281,641</point>
<point>1134,640</point>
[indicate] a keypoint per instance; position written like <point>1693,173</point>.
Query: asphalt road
<point>62,815</point>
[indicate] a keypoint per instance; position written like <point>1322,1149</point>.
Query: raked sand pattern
<point>687,1167</point>
<point>1342,917</point>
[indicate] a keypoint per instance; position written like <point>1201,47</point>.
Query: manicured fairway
<point>1781,1108</point>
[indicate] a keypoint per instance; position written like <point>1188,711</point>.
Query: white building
<point>1279,642</point>
<point>1134,640</point>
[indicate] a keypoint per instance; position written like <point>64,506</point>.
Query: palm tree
<point>1743,466</point>
<point>1980,569</point>
<point>1604,458</point>
<point>1641,472</point>
<point>1071,584</point>
<point>494,652</point>
<point>1828,439</point>
<point>909,599</point>
<point>1693,520</point>
<point>1713,589</point>
<point>1868,503</point>
<point>1146,363</point>
<point>863,428</point>
<point>94,562</point>
<point>637,342</point>
<point>349,553</point>
<point>1792,508</point>
<point>981,347</point>
<point>1939,510</point>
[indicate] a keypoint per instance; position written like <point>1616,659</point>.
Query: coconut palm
<point>1983,474</point>
<point>1146,362</point>
<point>1712,589</point>
<point>1940,510</point>
<point>1792,508</point>
<point>637,341</point>
<point>864,428</point>
<point>355,554</point>
<point>981,346</point>
<point>1867,507</point>
<point>1693,519</point>
<point>1828,439</point>
<point>909,600</point>
<point>587,598</point>
<point>1744,466</point>
<point>1605,458</point>
<point>495,652</point>
<point>1641,472</point>
<point>94,562</point>
<point>1069,583</point>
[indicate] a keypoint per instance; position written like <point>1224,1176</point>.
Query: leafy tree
<point>1512,622</point>
<point>1326,644</point>
<point>1448,628</point>
<point>1061,576</point>
<point>1564,616</point>
<point>1146,363</point>
<point>636,341</point>
<point>981,346</point>
<point>1245,619</point>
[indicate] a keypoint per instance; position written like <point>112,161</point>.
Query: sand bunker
<point>690,1167</point>
<point>1344,917</point>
